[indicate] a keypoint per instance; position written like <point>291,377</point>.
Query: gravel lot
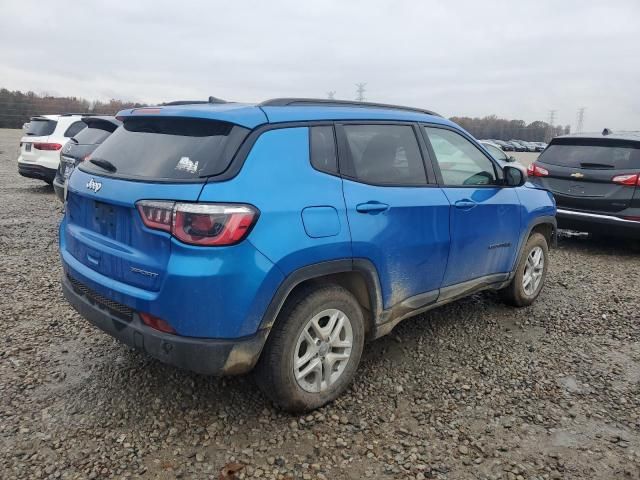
<point>472,390</point>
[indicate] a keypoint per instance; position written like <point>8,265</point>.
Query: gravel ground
<point>472,390</point>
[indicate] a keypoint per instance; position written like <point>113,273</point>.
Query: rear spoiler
<point>107,120</point>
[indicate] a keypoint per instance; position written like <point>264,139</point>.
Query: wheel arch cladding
<point>358,276</point>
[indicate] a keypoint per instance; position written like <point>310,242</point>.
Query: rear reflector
<point>47,146</point>
<point>630,179</point>
<point>206,224</point>
<point>156,323</point>
<point>535,170</point>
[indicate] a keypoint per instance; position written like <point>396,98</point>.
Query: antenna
<point>331,94</point>
<point>360,89</point>
<point>580,121</point>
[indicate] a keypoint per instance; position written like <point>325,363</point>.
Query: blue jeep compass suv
<point>222,237</point>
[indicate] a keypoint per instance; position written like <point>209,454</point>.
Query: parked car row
<point>496,152</point>
<point>517,145</point>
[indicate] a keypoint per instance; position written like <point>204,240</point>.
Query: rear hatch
<point>37,133</point>
<point>590,173</point>
<point>148,158</point>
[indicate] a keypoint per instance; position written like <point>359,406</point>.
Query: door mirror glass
<point>514,176</point>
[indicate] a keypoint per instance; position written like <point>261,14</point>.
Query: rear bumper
<point>597,223</point>
<point>200,355</point>
<point>39,172</point>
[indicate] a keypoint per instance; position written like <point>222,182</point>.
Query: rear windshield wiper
<point>105,164</point>
<point>602,166</point>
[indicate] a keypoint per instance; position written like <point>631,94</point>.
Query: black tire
<point>274,372</point>
<point>514,294</point>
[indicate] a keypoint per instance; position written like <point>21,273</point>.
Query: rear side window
<point>74,128</point>
<point>93,134</point>
<point>592,156</point>
<point>167,148</point>
<point>323,149</point>
<point>385,154</point>
<point>41,128</point>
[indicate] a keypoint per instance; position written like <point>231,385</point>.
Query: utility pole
<point>360,89</point>
<point>580,122</point>
<point>551,128</point>
<point>331,94</point>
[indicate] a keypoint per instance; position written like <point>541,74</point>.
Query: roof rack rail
<point>70,114</point>
<point>290,102</point>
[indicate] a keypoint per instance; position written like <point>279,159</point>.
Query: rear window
<point>168,148</point>
<point>41,128</point>
<point>93,135</point>
<point>593,155</point>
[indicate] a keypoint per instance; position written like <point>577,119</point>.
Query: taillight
<point>535,170</point>
<point>632,179</point>
<point>156,323</point>
<point>205,224</point>
<point>47,146</point>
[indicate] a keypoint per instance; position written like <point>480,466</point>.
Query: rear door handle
<point>372,207</point>
<point>465,204</point>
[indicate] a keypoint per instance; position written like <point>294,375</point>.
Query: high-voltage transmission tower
<point>551,128</point>
<point>331,94</point>
<point>580,119</point>
<point>360,89</point>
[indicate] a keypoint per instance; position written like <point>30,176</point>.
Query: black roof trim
<point>211,99</point>
<point>102,118</point>
<point>304,102</point>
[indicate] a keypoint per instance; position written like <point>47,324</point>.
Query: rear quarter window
<point>41,128</point>
<point>164,148</point>
<point>323,149</point>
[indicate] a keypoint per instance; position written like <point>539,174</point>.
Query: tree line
<point>16,108</point>
<point>502,129</point>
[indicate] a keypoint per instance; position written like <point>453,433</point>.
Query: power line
<point>360,89</point>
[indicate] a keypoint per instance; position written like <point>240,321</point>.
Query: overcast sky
<point>475,58</point>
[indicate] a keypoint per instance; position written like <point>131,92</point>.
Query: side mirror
<point>514,176</point>
<point>511,158</point>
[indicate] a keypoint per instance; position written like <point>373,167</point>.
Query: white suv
<point>44,138</point>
